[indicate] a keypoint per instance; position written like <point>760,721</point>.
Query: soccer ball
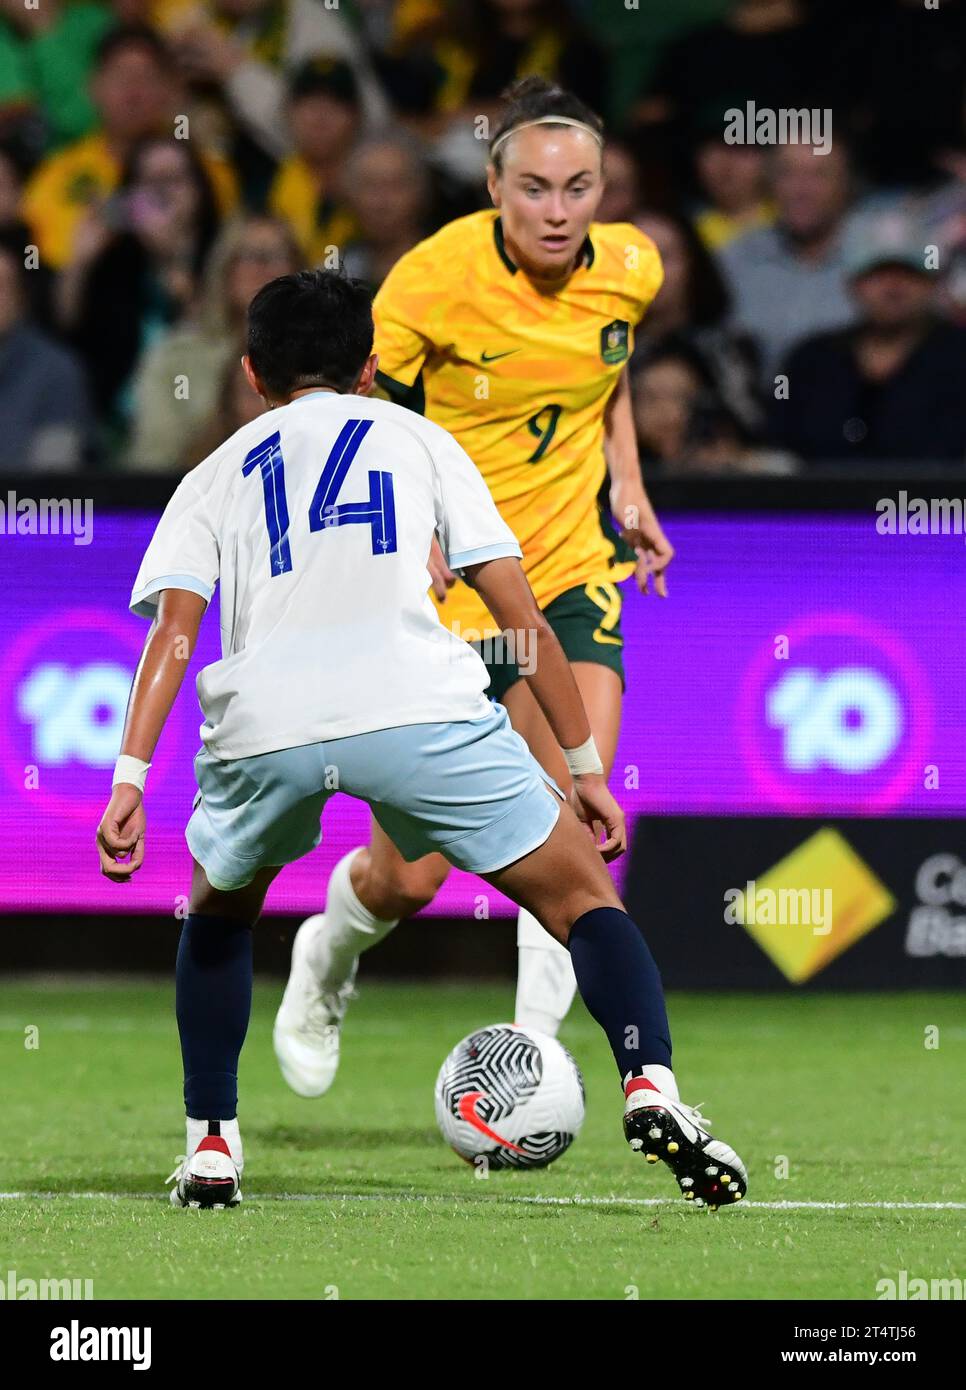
<point>509,1096</point>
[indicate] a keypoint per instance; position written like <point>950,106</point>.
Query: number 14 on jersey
<point>325,511</point>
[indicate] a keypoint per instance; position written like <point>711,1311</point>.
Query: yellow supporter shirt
<point>716,229</point>
<point>521,377</point>
<point>67,183</point>
<point>317,222</point>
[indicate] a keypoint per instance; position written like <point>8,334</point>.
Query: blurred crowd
<point>160,160</point>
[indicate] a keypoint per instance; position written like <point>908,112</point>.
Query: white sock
<point>546,984</point>
<point>349,928</point>
<point>660,1077</point>
<point>198,1130</point>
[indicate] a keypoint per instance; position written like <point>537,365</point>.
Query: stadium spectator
<point>46,54</point>
<point>38,283</point>
<point>11,188</point>
<point>906,63</point>
<point>770,52</point>
<point>235,405</point>
<point>692,306</point>
<point>789,281</point>
<point>43,398</point>
<point>622,184</point>
<point>137,270</point>
<point>666,386</point>
<point>387,191</point>
<point>324,107</point>
<point>135,97</point>
<point>445,64</point>
<point>635,38</point>
<point>441,58</point>
<point>890,388</point>
<point>943,215</point>
<point>682,423</point>
<point>732,189</point>
<point>292,92</point>
<point>249,49</point>
<point>718,443</point>
<point>177,387</point>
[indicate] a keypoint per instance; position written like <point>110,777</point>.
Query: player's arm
<point>629,501</point>
<point>164,660</point>
<point>505,590</point>
<point>403,336</point>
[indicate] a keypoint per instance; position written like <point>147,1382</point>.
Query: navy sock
<point>213,993</point>
<point>620,984</point>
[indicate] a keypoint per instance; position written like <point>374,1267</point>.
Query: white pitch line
<point>511,1198</point>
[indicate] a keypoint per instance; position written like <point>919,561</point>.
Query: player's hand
<point>653,557</point>
<point>120,835</point>
<point>595,806</point>
<point>439,571</point>
<point>641,529</point>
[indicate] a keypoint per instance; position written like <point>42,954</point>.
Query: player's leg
<point>370,890</point>
<point>565,884</point>
<point>251,816</point>
<point>213,998</point>
<point>545,977</point>
<point>472,791</point>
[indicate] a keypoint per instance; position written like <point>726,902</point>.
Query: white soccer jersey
<point>317,520</point>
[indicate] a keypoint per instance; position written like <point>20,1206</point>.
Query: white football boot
<point>306,1033</point>
<point>209,1178</point>
<point>708,1171</point>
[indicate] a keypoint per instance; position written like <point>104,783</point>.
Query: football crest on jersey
<point>613,341</point>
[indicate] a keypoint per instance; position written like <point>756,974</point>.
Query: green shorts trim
<point>587,622</point>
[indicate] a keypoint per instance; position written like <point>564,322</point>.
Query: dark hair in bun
<point>533,99</point>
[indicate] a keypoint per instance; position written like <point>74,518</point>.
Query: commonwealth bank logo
<point>811,906</point>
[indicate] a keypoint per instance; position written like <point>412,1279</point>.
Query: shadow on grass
<point>323,1138</point>
<point>92,1185</point>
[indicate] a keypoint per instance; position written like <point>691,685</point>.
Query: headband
<point>546,120</point>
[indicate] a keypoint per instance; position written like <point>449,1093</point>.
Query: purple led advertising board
<point>804,665</point>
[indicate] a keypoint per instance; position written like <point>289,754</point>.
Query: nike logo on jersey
<point>494,356</point>
<point>467,1112</point>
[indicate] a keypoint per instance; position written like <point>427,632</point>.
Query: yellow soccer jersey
<point>520,378</point>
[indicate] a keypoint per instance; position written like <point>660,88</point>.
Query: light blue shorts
<point>470,790</point>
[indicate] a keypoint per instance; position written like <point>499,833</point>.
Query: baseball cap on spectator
<point>888,239</point>
<point>330,77</point>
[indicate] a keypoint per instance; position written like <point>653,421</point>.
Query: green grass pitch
<point>355,1196</point>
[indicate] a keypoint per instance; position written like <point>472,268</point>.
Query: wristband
<point>583,759</point>
<point>131,770</point>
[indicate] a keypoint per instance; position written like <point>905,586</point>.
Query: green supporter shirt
<point>15,84</point>
<point>52,68</point>
<point>634,36</point>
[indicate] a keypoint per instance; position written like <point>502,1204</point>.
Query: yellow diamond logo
<point>812,905</point>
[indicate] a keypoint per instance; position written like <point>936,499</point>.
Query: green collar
<point>587,251</point>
